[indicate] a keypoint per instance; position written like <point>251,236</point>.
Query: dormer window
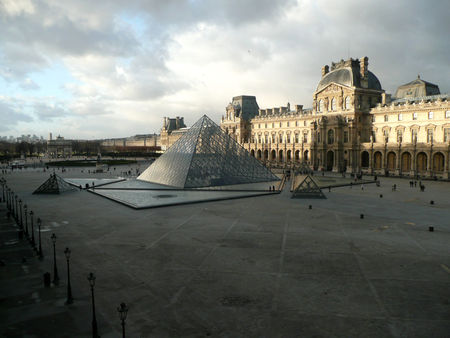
<point>333,104</point>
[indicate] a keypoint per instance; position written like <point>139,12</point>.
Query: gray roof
<point>348,76</point>
<point>417,88</point>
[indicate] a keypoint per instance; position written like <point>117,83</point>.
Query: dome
<point>348,76</point>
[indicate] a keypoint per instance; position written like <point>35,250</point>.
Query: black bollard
<point>381,195</point>
<point>431,202</point>
<point>430,229</point>
<point>310,207</point>
<point>361,216</point>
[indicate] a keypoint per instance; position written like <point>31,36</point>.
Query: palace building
<point>354,126</point>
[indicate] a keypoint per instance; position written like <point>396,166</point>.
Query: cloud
<point>29,84</point>
<point>131,62</point>
<point>11,115</point>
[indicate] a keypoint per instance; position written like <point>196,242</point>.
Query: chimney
<point>325,70</point>
<point>177,122</point>
<point>298,108</point>
<point>165,123</point>
<point>364,71</point>
<point>364,66</point>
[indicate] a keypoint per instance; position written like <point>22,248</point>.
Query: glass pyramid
<point>54,185</point>
<point>206,156</point>
<point>308,188</point>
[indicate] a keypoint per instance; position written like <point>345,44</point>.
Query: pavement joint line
<point>368,281</point>
<point>211,252</point>
<point>173,230</point>
<point>280,263</point>
<point>396,225</point>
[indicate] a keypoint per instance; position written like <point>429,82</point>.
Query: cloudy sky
<point>113,68</point>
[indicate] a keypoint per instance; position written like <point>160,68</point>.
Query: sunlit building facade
<point>353,126</point>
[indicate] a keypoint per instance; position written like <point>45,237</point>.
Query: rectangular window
<point>386,118</point>
<point>413,135</point>
<point>304,123</point>
<point>429,135</point>
<point>399,135</point>
<point>287,124</point>
<point>430,115</point>
<point>400,117</point>
<point>345,136</point>
<point>259,125</point>
<point>374,136</point>
<point>414,116</point>
<point>305,137</point>
<point>296,138</point>
<point>386,135</point>
<point>446,134</point>
<point>296,123</point>
<point>266,139</point>
<point>288,138</point>
<point>265,125</point>
<point>447,114</point>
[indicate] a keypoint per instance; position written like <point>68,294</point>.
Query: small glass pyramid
<point>54,185</point>
<point>206,156</point>
<point>308,188</point>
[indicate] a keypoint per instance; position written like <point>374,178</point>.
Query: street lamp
<point>25,209</point>
<point>16,210</point>
<point>33,243</point>
<point>20,209</point>
<point>40,253</point>
<point>91,279</point>
<point>123,311</point>
<point>55,269</point>
<point>69,289</point>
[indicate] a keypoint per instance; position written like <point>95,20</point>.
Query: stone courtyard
<point>266,266</point>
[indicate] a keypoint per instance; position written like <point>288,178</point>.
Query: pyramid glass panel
<point>206,156</point>
<point>54,185</point>
<point>308,188</point>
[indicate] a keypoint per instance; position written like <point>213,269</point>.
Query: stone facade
<point>354,126</point>
<point>59,147</point>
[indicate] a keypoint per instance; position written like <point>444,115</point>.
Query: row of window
<point>279,138</point>
<point>430,135</point>
<point>279,124</point>
<point>414,116</point>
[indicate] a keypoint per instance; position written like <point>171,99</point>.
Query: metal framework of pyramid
<point>308,189</point>
<point>54,185</point>
<point>206,156</point>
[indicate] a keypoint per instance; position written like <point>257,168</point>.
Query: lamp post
<point>40,254</point>
<point>20,211</point>
<point>91,279</point>
<point>3,189</point>
<point>69,289</point>
<point>55,269</point>
<point>33,243</point>
<point>7,197</point>
<point>25,209</point>
<point>16,210</point>
<point>123,311</point>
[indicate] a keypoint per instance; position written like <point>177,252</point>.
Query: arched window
<point>348,104</point>
<point>333,104</point>
<point>330,138</point>
<point>321,108</point>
